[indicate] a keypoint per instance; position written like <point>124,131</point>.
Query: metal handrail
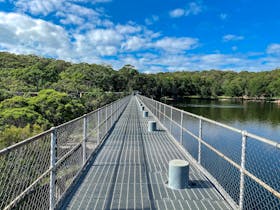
<point>154,106</point>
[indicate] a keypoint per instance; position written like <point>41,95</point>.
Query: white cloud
<point>175,45</point>
<point>37,7</point>
<point>104,36</point>
<point>193,8</point>
<point>22,34</point>
<point>177,13</point>
<point>273,49</point>
<point>134,43</point>
<point>72,19</point>
<point>69,12</point>
<point>231,37</point>
<point>128,29</point>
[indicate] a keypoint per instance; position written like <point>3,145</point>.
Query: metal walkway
<point>130,172</point>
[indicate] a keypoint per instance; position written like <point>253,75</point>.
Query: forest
<point>37,93</point>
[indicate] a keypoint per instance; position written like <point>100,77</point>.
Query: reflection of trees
<point>235,111</point>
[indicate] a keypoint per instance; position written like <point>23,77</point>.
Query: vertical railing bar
<point>155,109</point>
<point>243,162</point>
<point>171,115</point>
<point>84,139</point>
<point>200,138</point>
<point>106,115</point>
<point>98,126</point>
<point>181,134</point>
<point>53,169</point>
<point>159,112</point>
<point>111,115</point>
<point>164,113</point>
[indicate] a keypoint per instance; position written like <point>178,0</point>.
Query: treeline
<point>51,89</point>
<point>23,73</point>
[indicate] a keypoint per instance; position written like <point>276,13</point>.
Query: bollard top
<point>178,162</point>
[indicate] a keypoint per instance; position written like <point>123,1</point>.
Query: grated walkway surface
<point>131,169</point>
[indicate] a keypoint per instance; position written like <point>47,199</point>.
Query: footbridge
<point>109,159</point>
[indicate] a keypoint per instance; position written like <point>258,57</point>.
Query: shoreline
<point>225,98</point>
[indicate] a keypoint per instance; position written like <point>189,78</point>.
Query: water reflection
<point>261,118</point>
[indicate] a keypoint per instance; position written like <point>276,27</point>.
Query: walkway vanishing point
<point>130,172</point>
<point>107,159</point>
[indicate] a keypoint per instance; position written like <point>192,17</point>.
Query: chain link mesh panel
<point>21,166</point>
<point>68,136</point>
<point>67,170</point>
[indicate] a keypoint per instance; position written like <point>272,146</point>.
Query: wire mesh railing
<point>36,173</point>
<point>243,166</point>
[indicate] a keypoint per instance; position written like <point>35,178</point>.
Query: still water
<point>260,118</point>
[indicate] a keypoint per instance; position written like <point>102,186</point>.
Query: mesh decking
<point>130,172</point>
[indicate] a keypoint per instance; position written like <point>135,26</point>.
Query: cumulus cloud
<point>177,13</point>
<point>22,34</point>
<point>69,12</point>
<point>134,43</point>
<point>37,7</point>
<point>193,8</point>
<point>128,29</point>
<point>273,49</point>
<point>232,37</point>
<point>173,44</point>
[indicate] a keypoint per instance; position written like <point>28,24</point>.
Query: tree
<point>56,107</point>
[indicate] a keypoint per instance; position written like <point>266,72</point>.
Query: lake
<point>261,118</point>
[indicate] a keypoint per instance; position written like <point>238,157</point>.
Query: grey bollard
<point>178,176</point>
<point>152,126</point>
<point>145,114</point>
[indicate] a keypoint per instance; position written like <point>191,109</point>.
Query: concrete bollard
<point>145,114</point>
<point>178,176</point>
<point>152,126</point>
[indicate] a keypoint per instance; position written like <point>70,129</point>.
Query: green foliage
<point>20,117</point>
<point>55,106</point>
<point>13,134</point>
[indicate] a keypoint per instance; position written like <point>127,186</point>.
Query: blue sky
<point>152,35</point>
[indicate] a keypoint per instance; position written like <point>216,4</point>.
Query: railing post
<point>171,115</point>
<point>98,126</point>
<point>53,169</point>
<point>156,109</point>
<point>159,110</point>
<point>164,113</point>
<point>111,115</point>
<point>181,134</point>
<point>243,162</point>
<point>84,139</point>
<point>106,115</point>
<point>199,141</point>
